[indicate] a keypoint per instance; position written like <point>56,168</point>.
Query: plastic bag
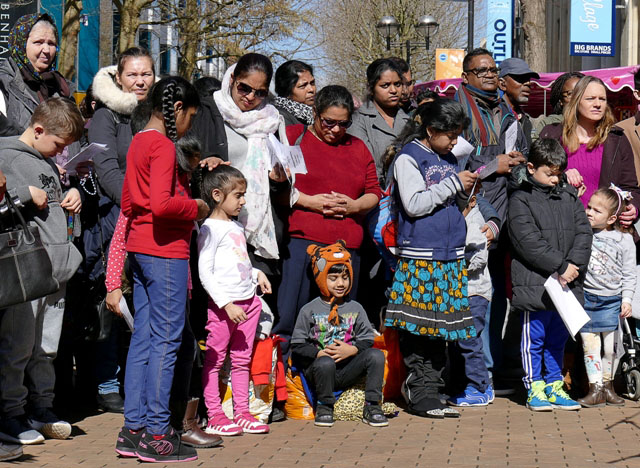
<point>394,369</point>
<point>297,405</point>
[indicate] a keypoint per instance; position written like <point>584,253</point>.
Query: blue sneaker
<point>490,394</point>
<point>537,398</point>
<point>559,398</point>
<point>469,397</point>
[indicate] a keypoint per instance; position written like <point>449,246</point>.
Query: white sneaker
<point>49,425</point>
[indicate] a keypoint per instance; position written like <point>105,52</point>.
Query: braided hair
<point>556,90</point>
<point>163,96</point>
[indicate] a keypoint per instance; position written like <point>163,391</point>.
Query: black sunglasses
<point>245,90</point>
<point>330,123</point>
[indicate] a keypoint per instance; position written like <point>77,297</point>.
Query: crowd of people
<point>186,216</point>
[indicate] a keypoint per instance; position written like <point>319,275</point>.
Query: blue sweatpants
<point>543,338</point>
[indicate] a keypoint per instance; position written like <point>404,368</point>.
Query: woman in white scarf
<point>248,122</point>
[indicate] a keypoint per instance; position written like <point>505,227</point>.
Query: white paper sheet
<point>87,154</point>
<point>126,314</point>
<point>511,137</point>
<point>462,148</point>
<point>570,310</point>
<point>290,157</point>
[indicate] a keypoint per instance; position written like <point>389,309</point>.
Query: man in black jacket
<point>550,235</point>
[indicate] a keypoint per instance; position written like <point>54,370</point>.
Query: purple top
<point>588,163</point>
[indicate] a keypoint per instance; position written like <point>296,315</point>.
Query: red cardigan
<point>156,199</point>
<point>346,168</point>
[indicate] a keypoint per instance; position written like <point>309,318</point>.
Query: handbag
<point>27,273</point>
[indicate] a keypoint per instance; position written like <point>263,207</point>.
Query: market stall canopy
<point>618,81</point>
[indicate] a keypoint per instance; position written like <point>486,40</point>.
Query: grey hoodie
<point>24,166</point>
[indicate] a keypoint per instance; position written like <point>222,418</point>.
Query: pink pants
<point>238,340</point>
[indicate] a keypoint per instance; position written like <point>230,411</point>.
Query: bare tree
<point>130,11</point>
<point>535,34</point>
<point>69,38</point>
<point>350,41</point>
<point>229,28</point>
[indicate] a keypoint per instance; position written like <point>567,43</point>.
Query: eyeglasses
<point>484,71</point>
<point>567,94</point>
<point>330,123</point>
<point>245,90</point>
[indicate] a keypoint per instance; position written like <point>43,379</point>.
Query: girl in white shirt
<point>234,307</point>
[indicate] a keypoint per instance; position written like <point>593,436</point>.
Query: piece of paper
<point>570,310</point>
<point>87,154</point>
<point>488,169</point>
<point>126,314</point>
<point>462,148</point>
<point>511,136</point>
<point>290,157</point>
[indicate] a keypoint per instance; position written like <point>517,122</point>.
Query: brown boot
<point>192,435</point>
<point>595,398</point>
<point>611,396</point>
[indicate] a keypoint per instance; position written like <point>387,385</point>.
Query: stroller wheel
<point>633,384</point>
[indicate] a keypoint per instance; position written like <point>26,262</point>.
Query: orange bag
<point>297,406</point>
<point>394,369</point>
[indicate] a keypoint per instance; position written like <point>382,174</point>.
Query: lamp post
<point>388,27</point>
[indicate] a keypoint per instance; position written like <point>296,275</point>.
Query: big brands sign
<point>500,28</point>
<point>593,27</point>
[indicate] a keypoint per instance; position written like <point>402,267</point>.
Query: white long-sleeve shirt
<point>612,266</point>
<point>224,266</point>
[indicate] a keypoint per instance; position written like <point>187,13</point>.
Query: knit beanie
<point>322,259</point>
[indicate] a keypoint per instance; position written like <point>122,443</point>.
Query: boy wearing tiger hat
<point>333,338</point>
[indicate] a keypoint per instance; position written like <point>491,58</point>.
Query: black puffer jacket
<point>549,229</point>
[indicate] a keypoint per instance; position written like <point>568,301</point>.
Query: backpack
<point>382,223</point>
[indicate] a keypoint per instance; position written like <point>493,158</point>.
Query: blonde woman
<point>598,151</point>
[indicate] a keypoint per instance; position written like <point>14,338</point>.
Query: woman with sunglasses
<point>242,121</point>
<point>379,121</point>
<point>339,189</point>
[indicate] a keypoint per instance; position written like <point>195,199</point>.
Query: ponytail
<point>168,112</point>
<point>162,97</point>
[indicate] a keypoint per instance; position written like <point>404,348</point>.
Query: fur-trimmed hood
<point>106,90</point>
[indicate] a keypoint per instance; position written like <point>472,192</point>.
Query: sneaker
<point>373,416</point>
<point>559,398</point>
<point>537,398</point>
<point>128,440</point>
<point>10,452</point>
<point>251,425</point>
<point>223,426</point>
<point>490,393</point>
<point>450,412</point>
<point>16,431</point>
<point>48,424</point>
<point>324,416</point>
<point>164,448</point>
<point>471,396</point>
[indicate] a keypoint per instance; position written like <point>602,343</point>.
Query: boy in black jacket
<point>550,234</point>
<point>332,338</point>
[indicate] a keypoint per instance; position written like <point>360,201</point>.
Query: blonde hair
<point>570,114</point>
<point>59,116</point>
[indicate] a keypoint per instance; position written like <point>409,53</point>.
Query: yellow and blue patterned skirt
<point>429,298</point>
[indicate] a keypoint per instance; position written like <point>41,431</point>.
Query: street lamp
<point>388,27</point>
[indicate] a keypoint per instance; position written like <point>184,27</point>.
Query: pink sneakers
<point>251,425</point>
<point>222,426</point>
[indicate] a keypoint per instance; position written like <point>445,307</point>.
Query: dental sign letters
<point>500,28</point>
<point>593,27</point>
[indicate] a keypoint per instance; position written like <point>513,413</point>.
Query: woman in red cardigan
<point>339,189</point>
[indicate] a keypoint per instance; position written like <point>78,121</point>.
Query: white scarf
<point>255,125</point>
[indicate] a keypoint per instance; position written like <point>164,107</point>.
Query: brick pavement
<point>504,434</point>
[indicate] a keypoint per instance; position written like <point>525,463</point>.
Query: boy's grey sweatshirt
<point>24,166</point>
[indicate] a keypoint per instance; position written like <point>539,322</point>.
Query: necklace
<point>83,183</point>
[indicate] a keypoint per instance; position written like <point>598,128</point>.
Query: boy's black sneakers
<point>127,444</point>
<point>165,448</point>
<point>373,416</point>
<point>324,416</point>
